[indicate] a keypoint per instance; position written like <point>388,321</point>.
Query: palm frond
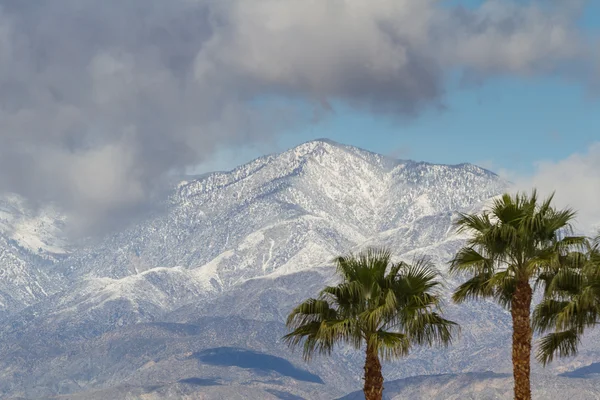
<point>428,327</point>
<point>310,310</point>
<point>346,294</point>
<point>375,317</point>
<point>418,277</point>
<point>473,223</point>
<point>470,260</point>
<point>562,344</point>
<point>477,287</point>
<point>391,345</point>
<point>546,314</point>
<point>504,284</point>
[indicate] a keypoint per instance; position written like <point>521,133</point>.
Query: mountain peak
<point>326,141</point>
<point>327,147</point>
<point>325,144</point>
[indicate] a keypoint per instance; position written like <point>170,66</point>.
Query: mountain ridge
<point>225,260</point>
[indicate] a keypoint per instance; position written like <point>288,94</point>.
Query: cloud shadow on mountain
<point>589,371</point>
<point>248,359</point>
<point>200,382</point>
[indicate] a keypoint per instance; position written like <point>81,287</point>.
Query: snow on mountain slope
<point>246,245</point>
<point>30,242</point>
<point>36,231</point>
<point>277,215</point>
<point>319,195</point>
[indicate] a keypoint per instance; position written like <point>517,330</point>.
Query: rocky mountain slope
<point>31,241</point>
<point>193,299</point>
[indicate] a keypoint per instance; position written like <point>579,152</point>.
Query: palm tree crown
<point>387,306</point>
<point>571,303</point>
<point>515,241</point>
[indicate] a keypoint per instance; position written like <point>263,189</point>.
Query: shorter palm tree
<point>571,304</point>
<point>382,306</point>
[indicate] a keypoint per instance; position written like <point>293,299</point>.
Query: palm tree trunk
<point>521,340</point>
<point>373,388</point>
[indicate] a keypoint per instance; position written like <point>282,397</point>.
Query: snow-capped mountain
<point>193,299</point>
<point>30,241</point>
<point>284,213</point>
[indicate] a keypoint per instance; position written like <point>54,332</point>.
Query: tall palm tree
<point>571,304</point>
<point>382,306</point>
<point>515,241</point>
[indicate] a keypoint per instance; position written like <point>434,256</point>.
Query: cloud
<point>505,37</point>
<point>101,101</point>
<point>576,183</point>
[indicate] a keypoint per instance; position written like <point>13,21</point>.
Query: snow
<point>275,216</point>
<point>37,231</point>
<point>249,243</point>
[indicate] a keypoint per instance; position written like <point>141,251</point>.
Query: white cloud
<point>576,183</point>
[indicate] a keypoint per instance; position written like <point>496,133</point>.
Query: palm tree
<point>382,306</point>
<point>571,304</point>
<point>516,240</point>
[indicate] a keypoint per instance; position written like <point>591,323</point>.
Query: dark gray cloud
<point>101,100</point>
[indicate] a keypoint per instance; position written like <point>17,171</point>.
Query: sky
<point>505,125</point>
<point>508,124</point>
<point>102,102</point>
